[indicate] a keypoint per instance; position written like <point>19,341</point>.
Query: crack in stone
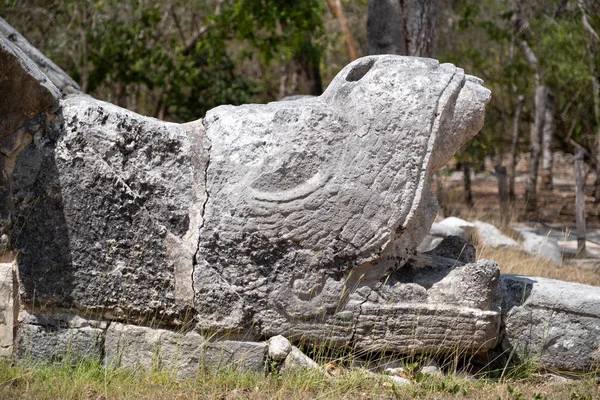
<point>360,312</point>
<point>195,258</point>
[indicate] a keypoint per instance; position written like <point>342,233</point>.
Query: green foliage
<point>278,27</point>
<point>173,59</point>
<point>484,42</point>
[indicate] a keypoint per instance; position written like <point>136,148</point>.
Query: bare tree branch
<point>586,23</point>
<point>203,29</point>
<point>336,9</point>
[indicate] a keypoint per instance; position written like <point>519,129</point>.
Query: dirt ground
<point>556,208</point>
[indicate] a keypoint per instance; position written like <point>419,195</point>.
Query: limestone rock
<point>60,337</point>
<point>297,360</point>
<point>132,347</point>
<point>26,91</point>
<point>306,196</point>
<point>182,353</point>
<point>279,348</point>
<point>455,248</point>
<point>429,370</point>
<point>541,246</point>
<point>450,226</point>
<point>137,347</point>
<point>294,218</point>
<point>399,381</point>
<point>429,243</point>
<point>555,322</point>
<point>8,305</point>
<point>444,230</point>
<point>240,355</point>
<point>491,236</point>
<point>56,75</point>
<point>106,211</point>
<point>432,305</point>
<point>466,226</point>
<point>26,105</point>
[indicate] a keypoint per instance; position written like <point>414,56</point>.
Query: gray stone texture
<point>466,226</point>
<point>106,211</point>
<point>294,218</point>
<point>307,196</point>
<point>26,91</point>
<point>431,305</point>
<point>143,348</point>
<point>455,248</point>
<point>8,304</point>
<point>27,102</point>
<point>56,75</point>
<point>491,236</point>
<point>555,323</point>
<point>58,338</point>
<point>443,230</point>
<point>279,348</point>
<point>233,354</point>
<point>545,247</point>
<point>296,360</point>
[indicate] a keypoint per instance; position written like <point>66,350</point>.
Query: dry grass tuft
<point>513,261</point>
<point>92,381</point>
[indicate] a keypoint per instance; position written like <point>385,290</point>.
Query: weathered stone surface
<point>56,75</point>
<point>27,100</point>
<point>399,381</point>
<point>556,323</point>
<point>241,355</point>
<point>450,226</point>
<point>297,360</point>
<point>26,91</point>
<point>306,196</point>
<point>541,246</point>
<point>58,337</point>
<point>8,304</point>
<point>443,230</point>
<point>132,347</point>
<point>466,226</point>
<point>430,367</point>
<point>437,305</point>
<point>279,348</point>
<point>108,206</point>
<point>491,236</point>
<point>429,243</point>
<point>138,347</point>
<point>455,248</point>
<point>291,218</point>
<point>182,353</point>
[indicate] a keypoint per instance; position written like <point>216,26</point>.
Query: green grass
<point>92,381</point>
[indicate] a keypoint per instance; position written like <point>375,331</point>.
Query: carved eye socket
<point>360,70</point>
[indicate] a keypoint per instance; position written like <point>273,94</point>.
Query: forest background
<point>176,59</point>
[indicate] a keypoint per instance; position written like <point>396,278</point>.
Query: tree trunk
<point>547,137</point>
<point>406,27</point>
<point>336,9</point>
<point>502,193</point>
<point>420,23</point>
<point>580,202</point>
<point>467,182</point>
<point>593,43</point>
<point>385,31</point>
<point>535,145</point>
<point>519,27</point>
<point>306,77</point>
<point>514,149</point>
